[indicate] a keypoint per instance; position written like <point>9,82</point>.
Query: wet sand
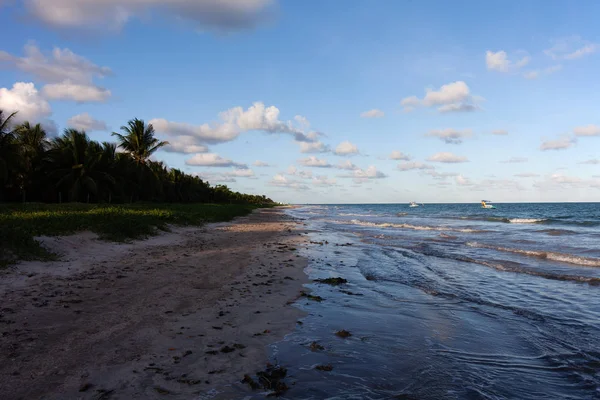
<point>179,315</point>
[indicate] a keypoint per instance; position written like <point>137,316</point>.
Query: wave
<point>548,255</point>
<point>558,220</point>
<point>526,220</point>
<point>409,226</point>
<point>559,277</point>
<point>501,219</point>
<point>509,266</point>
<point>557,232</point>
<point>355,215</point>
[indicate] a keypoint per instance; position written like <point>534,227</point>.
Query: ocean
<point>449,301</point>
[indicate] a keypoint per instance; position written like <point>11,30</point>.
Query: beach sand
<point>178,315</point>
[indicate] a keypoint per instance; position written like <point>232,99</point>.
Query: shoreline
<point>182,314</point>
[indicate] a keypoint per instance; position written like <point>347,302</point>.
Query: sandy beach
<point>181,314</point>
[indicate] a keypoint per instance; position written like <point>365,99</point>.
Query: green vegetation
<point>74,168</point>
<point>118,194</point>
<point>20,223</point>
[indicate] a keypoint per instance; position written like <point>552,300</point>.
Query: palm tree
<point>32,144</point>
<point>138,140</point>
<point>74,164</point>
<point>9,156</point>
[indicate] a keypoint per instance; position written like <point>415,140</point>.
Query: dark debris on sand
<point>270,379</point>
<point>311,297</point>
<point>343,334</point>
<point>332,281</point>
<point>314,346</point>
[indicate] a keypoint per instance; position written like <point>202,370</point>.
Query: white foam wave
<point>525,220</point>
<point>407,226</point>
<point>355,215</point>
<point>549,255</point>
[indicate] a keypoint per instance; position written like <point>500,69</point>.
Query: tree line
<point>74,168</point>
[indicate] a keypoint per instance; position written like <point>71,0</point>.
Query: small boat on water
<point>413,204</point>
<point>485,204</point>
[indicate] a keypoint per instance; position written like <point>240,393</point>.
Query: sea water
<point>450,301</point>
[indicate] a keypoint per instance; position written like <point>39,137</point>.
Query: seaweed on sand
<point>270,379</point>
<point>314,346</point>
<point>343,334</point>
<point>332,281</point>
<point>311,297</point>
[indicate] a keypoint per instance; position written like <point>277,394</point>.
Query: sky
<point>326,102</point>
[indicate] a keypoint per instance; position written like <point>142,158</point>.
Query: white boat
<point>413,204</point>
<point>485,204</point>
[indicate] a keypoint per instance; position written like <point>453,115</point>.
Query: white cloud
<point>558,144</point>
<point>374,113</point>
<point>409,166</point>
<point>61,65</point>
<point>241,173</point>
<point>214,177</point>
<point>564,182</point>
<point>259,163</point>
<point>410,103</point>
<point>323,180</point>
<point>498,184</point>
<point>536,73</point>
<point>439,175</point>
<point>313,161</point>
<point>515,160</point>
<point>347,165</point>
<point>451,93</point>
<point>571,48</point>
<point>221,15</point>
<point>293,171</point>
<point>205,133</point>
<point>69,76</point>
<point>184,144</point>
<point>362,175</point>
<point>85,122</point>
<point>458,107</point>
<point>398,155</point>
<point>588,130</point>
<point>213,160</point>
<point>446,157</point>
<point>303,122</point>
<point>24,98</point>
<point>281,181</point>
<point>462,181</point>
<point>450,136</point>
<point>499,132</point>
<point>235,121</point>
<point>594,161</point>
<point>346,148</point>
<point>500,62</point>
<point>527,175</point>
<point>313,147</point>
<point>80,93</point>
<point>452,97</point>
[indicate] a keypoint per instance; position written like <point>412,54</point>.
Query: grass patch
<point>20,223</point>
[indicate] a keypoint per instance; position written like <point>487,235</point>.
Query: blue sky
<point>476,99</point>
